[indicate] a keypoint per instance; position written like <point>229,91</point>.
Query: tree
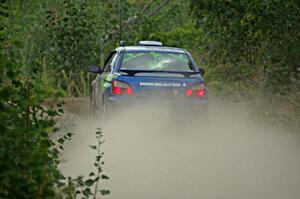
<point>258,35</point>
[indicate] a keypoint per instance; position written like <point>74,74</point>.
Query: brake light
<point>197,90</point>
<point>117,91</point>
<point>129,91</point>
<point>201,93</point>
<point>121,88</point>
<point>189,92</point>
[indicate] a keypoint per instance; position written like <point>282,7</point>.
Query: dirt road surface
<point>236,157</point>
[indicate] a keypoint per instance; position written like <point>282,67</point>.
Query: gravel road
<point>237,157</point>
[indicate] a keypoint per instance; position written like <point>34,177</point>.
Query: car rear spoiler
<point>134,72</point>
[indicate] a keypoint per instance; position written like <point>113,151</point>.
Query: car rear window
<point>159,61</point>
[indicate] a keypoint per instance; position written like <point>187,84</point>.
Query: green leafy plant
<point>28,162</point>
<point>88,187</point>
<point>71,31</point>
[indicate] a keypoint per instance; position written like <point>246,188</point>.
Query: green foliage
<point>252,34</point>
<point>175,19</point>
<point>29,157</point>
<point>72,88</point>
<point>72,38</point>
<point>251,50</point>
<point>252,53</point>
<point>89,187</point>
<point>28,165</point>
<point>186,36</point>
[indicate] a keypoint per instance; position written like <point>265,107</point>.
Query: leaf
<point>69,134</point>
<point>52,113</point>
<point>98,158</point>
<point>89,182</point>
<point>105,177</point>
<point>105,192</point>
<point>60,110</point>
<point>61,140</point>
<point>55,129</point>
<point>87,192</point>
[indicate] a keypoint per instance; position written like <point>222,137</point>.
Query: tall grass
<point>80,88</point>
<point>277,109</point>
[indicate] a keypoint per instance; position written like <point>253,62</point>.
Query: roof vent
<point>150,43</point>
<point>122,43</point>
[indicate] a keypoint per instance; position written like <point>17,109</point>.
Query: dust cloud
<point>151,156</point>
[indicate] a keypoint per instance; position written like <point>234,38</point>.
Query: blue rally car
<point>150,73</point>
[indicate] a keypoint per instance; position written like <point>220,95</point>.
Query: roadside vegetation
<point>249,49</point>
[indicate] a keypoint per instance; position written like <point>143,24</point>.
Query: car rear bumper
<point>117,103</point>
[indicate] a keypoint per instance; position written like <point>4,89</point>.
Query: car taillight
<point>201,93</point>
<point>197,90</point>
<point>121,88</point>
<point>189,92</point>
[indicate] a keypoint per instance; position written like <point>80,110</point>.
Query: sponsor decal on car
<point>161,84</point>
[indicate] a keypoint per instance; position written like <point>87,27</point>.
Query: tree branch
<point>147,6</point>
<point>157,9</point>
<point>132,20</point>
